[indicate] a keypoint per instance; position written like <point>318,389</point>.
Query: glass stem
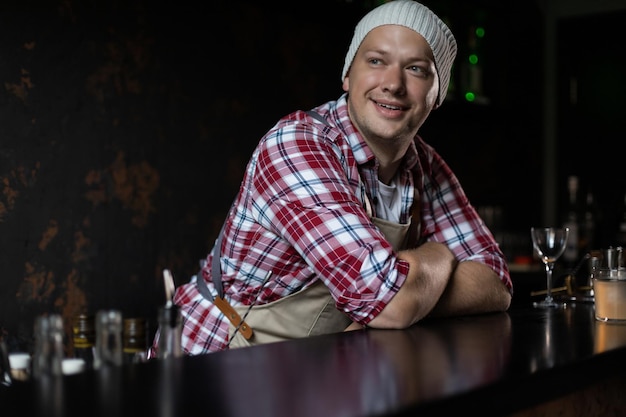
<point>549,267</point>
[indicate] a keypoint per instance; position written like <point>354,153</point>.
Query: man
<point>346,217</point>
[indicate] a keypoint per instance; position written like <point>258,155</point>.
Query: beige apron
<point>309,312</point>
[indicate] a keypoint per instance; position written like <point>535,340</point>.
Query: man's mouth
<point>389,106</point>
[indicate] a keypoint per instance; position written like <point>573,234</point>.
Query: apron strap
<point>216,272</point>
<point>216,275</point>
<point>415,230</point>
<point>203,288</point>
<point>317,117</point>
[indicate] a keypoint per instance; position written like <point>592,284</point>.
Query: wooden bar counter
<point>523,362</point>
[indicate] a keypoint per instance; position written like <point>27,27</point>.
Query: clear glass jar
<point>5,366</point>
<point>48,354</point>
<point>170,332</point>
<point>108,339</point>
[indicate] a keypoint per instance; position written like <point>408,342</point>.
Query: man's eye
<point>417,70</point>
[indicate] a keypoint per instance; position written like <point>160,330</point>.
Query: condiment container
<point>108,339</point>
<point>170,331</point>
<point>73,366</point>
<point>609,286</point>
<point>20,366</point>
<point>48,355</point>
<point>84,338</point>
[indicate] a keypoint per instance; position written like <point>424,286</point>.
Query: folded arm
<point>430,267</point>
<point>473,289</point>
<point>438,285</point>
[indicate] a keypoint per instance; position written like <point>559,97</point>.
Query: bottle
<point>84,339</point>
<point>170,332</point>
<point>571,219</point>
<point>135,340</point>
<point>48,353</point>
<point>108,339</point>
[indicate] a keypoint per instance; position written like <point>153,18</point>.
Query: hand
<point>354,326</point>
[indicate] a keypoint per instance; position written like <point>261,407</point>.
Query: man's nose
<point>393,80</point>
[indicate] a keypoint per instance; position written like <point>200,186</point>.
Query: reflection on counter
<point>608,336</point>
<point>426,361</point>
<point>476,341</point>
<point>562,334</point>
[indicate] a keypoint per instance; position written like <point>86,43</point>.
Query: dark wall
<point>125,127</point>
<point>592,99</point>
<point>124,131</point>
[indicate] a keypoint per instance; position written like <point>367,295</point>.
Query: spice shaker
<point>170,331</point>
<point>48,354</point>
<point>108,339</point>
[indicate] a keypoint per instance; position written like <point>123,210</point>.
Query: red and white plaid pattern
<point>300,213</point>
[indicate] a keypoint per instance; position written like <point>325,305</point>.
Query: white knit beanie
<point>422,20</point>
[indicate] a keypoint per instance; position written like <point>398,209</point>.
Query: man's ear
<point>346,83</point>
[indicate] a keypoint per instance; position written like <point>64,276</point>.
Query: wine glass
<point>549,243</point>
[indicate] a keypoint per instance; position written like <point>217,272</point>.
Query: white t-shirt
<point>388,204</point>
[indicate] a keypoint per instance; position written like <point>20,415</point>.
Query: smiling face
<point>392,86</point>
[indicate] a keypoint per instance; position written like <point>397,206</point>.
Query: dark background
<point>125,127</point>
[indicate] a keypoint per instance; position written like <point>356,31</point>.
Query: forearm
<point>430,267</point>
<point>474,288</point>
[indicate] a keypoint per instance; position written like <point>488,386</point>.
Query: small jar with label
<point>84,339</point>
<point>135,340</point>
